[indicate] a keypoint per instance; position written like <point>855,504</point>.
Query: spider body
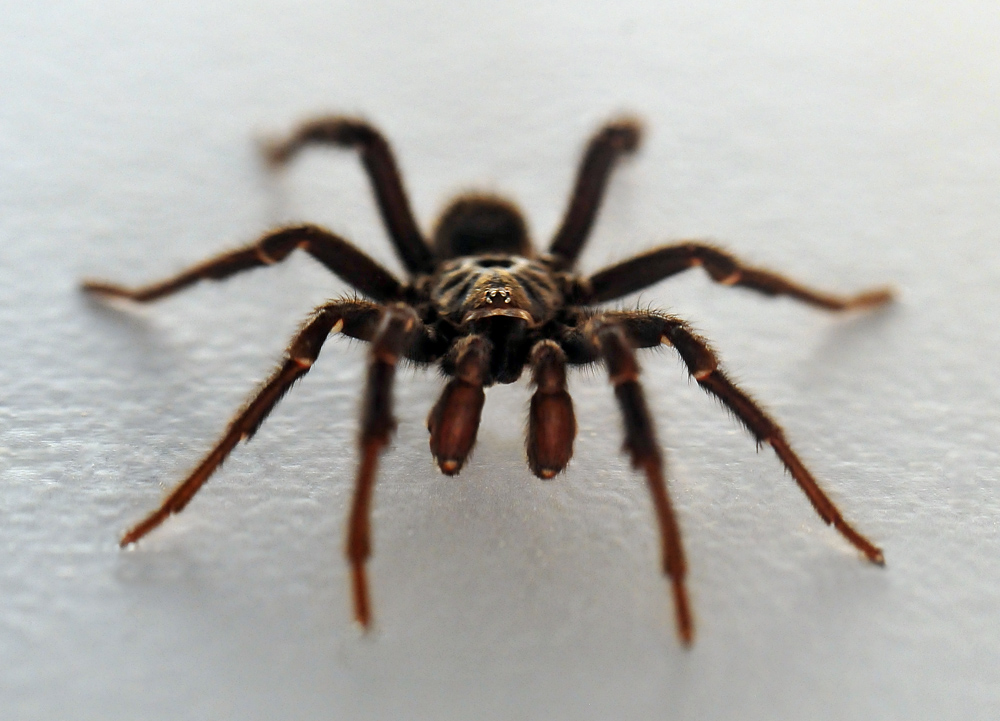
<point>483,305</point>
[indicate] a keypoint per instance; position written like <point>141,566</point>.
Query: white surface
<point>846,147</point>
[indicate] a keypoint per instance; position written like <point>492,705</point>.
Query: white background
<point>848,148</point>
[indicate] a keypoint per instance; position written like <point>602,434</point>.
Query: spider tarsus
<point>101,288</point>
<point>362,604</point>
<point>146,525</point>
<point>872,552</point>
<point>359,534</point>
<point>624,134</point>
<point>872,299</point>
<point>274,151</point>
<point>826,508</point>
<point>682,612</point>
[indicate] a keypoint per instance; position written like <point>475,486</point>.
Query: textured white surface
<point>846,147</point>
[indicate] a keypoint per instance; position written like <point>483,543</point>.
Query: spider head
<point>497,293</point>
<point>479,224</point>
<point>486,288</point>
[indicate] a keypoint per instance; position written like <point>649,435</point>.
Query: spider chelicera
<point>483,304</point>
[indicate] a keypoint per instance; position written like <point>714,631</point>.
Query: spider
<point>483,304</point>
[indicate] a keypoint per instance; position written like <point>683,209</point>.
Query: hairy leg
<point>652,329</point>
<point>614,347</point>
<point>615,139</point>
<point>378,160</point>
<point>656,265</point>
<point>355,319</point>
<point>342,258</point>
<point>396,331</point>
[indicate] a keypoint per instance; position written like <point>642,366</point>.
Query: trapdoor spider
<point>483,304</point>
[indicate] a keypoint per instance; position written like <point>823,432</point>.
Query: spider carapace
<point>481,303</point>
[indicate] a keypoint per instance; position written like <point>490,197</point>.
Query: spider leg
<point>396,331</point>
<point>650,329</point>
<point>342,258</point>
<point>353,318</point>
<point>377,157</point>
<point>454,420</point>
<point>551,422</point>
<point>613,140</point>
<point>614,347</point>
<point>651,267</point>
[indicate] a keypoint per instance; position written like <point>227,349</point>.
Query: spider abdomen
<point>475,224</point>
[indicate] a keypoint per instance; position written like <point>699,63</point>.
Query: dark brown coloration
<point>483,305</point>
<point>551,422</point>
<point>339,256</point>
<point>394,335</point>
<point>454,420</point>
<point>382,171</point>
<point>619,137</point>
<point>656,265</point>
<point>612,343</point>
<point>480,225</point>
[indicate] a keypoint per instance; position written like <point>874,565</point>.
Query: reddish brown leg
<point>377,157</point>
<point>342,258</point>
<point>704,367</point>
<point>551,422</point>
<point>396,331</point>
<point>640,443</point>
<point>642,271</point>
<point>454,420</point>
<point>606,146</point>
<point>352,318</point>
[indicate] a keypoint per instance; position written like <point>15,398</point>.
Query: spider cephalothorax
<point>483,305</point>
<point>470,289</point>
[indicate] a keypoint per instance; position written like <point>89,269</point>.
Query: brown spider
<point>483,304</point>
